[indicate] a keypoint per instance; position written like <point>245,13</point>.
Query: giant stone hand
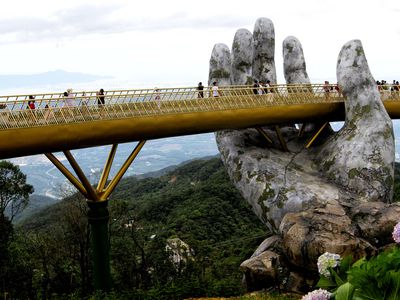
<point>335,196</point>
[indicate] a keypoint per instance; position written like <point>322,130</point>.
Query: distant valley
<point>155,155</point>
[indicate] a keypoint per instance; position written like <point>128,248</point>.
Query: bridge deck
<point>59,123</point>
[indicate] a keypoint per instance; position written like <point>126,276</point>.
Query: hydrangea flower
<point>319,294</point>
<point>396,233</point>
<point>326,261</point>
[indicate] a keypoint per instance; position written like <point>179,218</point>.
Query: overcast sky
<point>160,42</point>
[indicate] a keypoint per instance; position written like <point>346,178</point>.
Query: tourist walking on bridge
<point>255,87</point>
<point>31,102</point>
<point>326,88</point>
<point>215,92</point>
<point>100,101</point>
<point>70,100</point>
<point>100,97</point>
<point>200,88</point>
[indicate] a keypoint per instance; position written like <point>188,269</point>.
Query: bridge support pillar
<point>97,200</point>
<point>98,217</point>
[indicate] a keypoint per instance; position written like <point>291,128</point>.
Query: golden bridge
<point>58,123</point>
<point>54,122</point>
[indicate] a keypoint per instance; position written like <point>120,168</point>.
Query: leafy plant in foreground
<point>377,278</point>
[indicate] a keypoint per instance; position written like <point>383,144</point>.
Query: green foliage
<point>195,202</point>
<point>345,292</point>
<point>377,278</point>
<point>396,194</point>
<point>14,191</point>
<point>14,196</point>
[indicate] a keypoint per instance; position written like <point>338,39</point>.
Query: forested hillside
<point>195,203</point>
<point>48,256</point>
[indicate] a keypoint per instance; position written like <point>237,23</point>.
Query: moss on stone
<point>328,164</point>
<point>359,51</point>
<point>213,61</point>
<point>242,66</point>
<point>220,73</point>
<point>289,48</point>
<point>237,174</point>
<point>249,80</point>
<point>235,46</point>
<point>268,193</point>
<point>251,174</point>
<point>353,173</point>
<point>388,132</point>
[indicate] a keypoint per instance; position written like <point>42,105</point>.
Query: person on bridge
<point>157,96</point>
<point>70,100</point>
<point>100,101</point>
<point>31,102</point>
<point>326,88</point>
<point>255,87</point>
<point>200,88</point>
<point>261,87</point>
<point>267,87</point>
<point>215,91</point>
<point>100,98</point>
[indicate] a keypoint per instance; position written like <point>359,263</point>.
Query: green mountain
<point>35,205</point>
<point>194,202</point>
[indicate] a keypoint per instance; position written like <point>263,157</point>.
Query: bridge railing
<point>18,111</point>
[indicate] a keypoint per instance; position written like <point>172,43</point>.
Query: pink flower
<point>396,233</point>
<point>317,295</point>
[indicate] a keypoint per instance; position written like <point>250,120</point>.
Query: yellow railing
<point>55,108</point>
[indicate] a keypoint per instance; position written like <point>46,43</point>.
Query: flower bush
<point>396,233</point>
<point>319,294</point>
<point>374,278</point>
<point>326,262</point>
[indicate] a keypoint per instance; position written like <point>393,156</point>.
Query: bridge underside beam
<point>107,167</point>
<point>81,182</point>
<point>281,139</point>
<point>315,136</point>
<point>264,134</point>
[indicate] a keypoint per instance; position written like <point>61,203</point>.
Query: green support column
<point>98,219</point>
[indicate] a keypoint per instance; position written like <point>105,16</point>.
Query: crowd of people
<point>383,85</point>
<point>69,99</point>
<point>258,88</point>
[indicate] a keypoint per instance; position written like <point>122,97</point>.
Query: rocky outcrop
<point>330,198</point>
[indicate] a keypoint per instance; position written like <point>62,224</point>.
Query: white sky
<point>170,41</point>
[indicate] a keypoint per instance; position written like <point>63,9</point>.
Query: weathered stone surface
<point>262,270</point>
<point>333,197</point>
<point>264,51</point>
<point>242,57</point>
<point>361,155</point>
<point>308,234</point>
<point>220,65</point>
<point>375,221</point>
<point>270,269</point>
<point>294,64</point>
<point>268,243</point>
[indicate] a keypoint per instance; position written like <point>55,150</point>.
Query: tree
<point>14,196</point>
<point>14,191</point>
